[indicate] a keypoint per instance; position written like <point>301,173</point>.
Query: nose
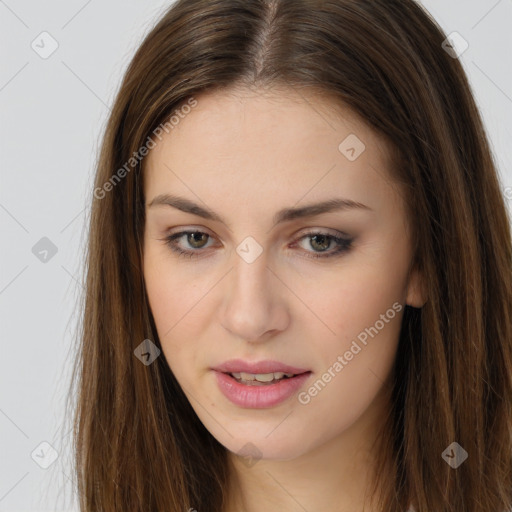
<point>254,307</point>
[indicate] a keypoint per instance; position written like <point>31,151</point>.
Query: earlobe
<point>416,290</point>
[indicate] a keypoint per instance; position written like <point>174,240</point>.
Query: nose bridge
<point>250,276</point>
<point>252,304</point>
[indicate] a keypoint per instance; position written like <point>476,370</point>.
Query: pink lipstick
<point>259,385</point>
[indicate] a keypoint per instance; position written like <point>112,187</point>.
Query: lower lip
<point>259,397</point>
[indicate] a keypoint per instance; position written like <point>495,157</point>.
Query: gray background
<point>53,112</point>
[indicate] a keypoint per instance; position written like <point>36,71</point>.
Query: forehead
<point>263,142</point>
<point>268,116</point>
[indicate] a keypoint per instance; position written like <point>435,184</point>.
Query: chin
<point>251,449</point>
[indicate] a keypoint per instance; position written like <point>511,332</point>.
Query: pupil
<point>321,237</point>
<point>193,235</point>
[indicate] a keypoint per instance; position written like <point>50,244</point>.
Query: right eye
<point>193,238</point>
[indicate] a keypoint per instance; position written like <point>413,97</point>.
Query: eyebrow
<point>284,215</point>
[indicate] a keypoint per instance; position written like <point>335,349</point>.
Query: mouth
<point>261,379</point>
<point>259,385</point>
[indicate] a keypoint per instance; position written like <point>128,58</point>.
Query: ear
<point>416,290</point>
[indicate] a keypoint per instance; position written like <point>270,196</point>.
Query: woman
<point>298,288</point>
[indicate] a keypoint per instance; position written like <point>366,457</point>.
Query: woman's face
<point>317,292</point>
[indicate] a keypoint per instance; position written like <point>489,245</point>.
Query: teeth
<point>261,377</point>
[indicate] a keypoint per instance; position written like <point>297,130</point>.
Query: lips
<point>259,396</point>
<point>270,382</point>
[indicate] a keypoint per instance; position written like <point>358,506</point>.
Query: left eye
<point>322,241</point>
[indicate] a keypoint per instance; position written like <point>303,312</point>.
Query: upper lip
<point>267,366</point>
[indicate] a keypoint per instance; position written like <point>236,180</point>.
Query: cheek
<point>177,300</point>
<point>353,297</point>
<point>171,293</point>
<point>361,308</point>
<point>169,310</point>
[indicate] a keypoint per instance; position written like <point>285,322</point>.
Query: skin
<point>245,155</point>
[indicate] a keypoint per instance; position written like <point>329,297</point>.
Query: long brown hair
<point>139,446</point>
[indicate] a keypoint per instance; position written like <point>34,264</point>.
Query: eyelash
<point>343,244</point>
